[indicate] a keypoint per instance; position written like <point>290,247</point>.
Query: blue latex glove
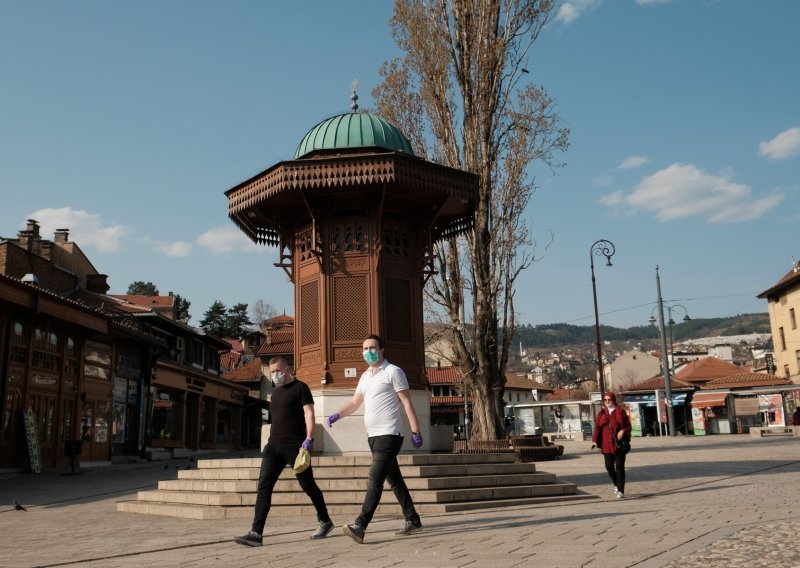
<point>333,418</point>
<point>308,444</point>
<point>416,440</point>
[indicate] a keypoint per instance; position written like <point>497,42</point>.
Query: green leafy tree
<point>180,309</point>
<point>215,319</point>
<point>464,94</point>
<point>237,321</point>
<point>141,288</point>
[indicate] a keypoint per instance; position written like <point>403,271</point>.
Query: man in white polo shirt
<point>383,389</point>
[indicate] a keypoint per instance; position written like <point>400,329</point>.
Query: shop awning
<point>704,399</point>
<point>678,398</point>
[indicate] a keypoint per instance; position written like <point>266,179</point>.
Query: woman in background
<point>611,426</point>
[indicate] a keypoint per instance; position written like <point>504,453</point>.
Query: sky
<point>126,122</point>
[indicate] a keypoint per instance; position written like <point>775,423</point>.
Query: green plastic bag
<point>302,461</point>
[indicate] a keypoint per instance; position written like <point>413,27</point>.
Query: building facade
<point>783,304</point>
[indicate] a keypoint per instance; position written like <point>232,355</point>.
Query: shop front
<point>194,410</point>
<point>648,412</point>
<point>570,417</point>
<point>710,413</point>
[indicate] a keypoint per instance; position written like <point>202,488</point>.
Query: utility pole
<point>665,361</point>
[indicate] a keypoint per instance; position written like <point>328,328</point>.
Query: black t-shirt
<point>286,412</point>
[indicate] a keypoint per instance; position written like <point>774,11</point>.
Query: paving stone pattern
<point>690,502</point>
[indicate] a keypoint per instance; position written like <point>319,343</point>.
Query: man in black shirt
<point>292,412</point>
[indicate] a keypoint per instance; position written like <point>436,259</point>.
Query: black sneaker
<point>409,527</point>
<point>355,531</point>
<point>252,538</point>
<point>323,529</point>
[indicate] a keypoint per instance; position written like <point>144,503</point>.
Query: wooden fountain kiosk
<point>355,215</point>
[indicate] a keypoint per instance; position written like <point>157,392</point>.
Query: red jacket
<point>606,427</point>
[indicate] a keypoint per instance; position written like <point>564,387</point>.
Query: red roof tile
<point>281,342</point>
<point>706,369</point>
<point>790,280</point>
<point>248,373</point>
<point>147,301</point>
<point>443,375</point>
<point>657,383</point>
<point>567,394</point>
<point>744,380</point>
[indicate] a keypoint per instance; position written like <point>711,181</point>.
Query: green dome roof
<point>353,130</point>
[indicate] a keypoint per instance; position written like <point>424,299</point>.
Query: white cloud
<point>178,248</point>
<point>85,229</point>
<point>612,199</point>
<point>603,180</point>
<point>680,191</point>
<point>632,162</point>
<point>570,11</point>
<point>227,239</point>
<point>784,145</point>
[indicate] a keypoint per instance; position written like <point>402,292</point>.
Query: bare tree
<point>262,311</point>
<point>463,93</point>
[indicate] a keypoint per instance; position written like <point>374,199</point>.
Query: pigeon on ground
<point>19,507</point>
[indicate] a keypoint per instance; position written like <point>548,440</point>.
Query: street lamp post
<point>670,323</point>
<point>604,248</point>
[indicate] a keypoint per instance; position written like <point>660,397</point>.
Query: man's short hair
<point>278,359</point>
<point>376,338</point>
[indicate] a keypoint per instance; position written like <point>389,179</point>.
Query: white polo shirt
<point>382,406</point>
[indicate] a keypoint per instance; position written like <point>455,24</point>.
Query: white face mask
<point>278,378</point>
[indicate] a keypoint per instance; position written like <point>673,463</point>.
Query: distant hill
<point>565,334</point>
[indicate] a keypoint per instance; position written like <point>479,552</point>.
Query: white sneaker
<point>620,495</point>
<point>616,490</point>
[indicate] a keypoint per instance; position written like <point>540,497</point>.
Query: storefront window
<point>166,420</point>
<point>101,422</point>
<point>118,423</point>
<point>97,362</point>
<point>208,420</point>
<point>224,424</point>
<point>86,421</point>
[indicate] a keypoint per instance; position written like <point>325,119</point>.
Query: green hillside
<point>565,334</point>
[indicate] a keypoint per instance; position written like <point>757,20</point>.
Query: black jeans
<point>385,468</point>
<point>615,466</point>
<point>275,457</point>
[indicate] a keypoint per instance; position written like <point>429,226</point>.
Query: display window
<point>167,415</point>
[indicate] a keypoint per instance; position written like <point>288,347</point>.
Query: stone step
<point>366,459</point>
<point>221,489</point>
<point>326,471</point>
<point>340,513</point>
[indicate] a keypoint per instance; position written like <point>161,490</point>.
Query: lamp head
<point>652,320</point>
<point>687,318</point>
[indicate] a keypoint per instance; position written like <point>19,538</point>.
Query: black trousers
<point>275,457</point>
<point>615,466</point>
<point>385,468</point>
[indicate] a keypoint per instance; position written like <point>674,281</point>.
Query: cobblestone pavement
<point>690,502</point>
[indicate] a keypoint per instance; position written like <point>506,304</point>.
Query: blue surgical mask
<point>278,379</point>
<point>371,356</point>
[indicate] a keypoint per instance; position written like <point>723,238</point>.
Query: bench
<point>535,448</point>
<point>767,432</point>
<point>481,447</point>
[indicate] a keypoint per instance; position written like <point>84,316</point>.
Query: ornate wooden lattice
<point>309,313</point>
<point>350,316</point>
<point>395,240</point>
<point>349,237</point>
<point>398,309</point>
<point>304,244</point>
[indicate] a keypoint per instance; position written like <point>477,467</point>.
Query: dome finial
<point>354,96</point>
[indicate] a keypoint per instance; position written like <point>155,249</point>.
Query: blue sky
<point>127,122</point>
